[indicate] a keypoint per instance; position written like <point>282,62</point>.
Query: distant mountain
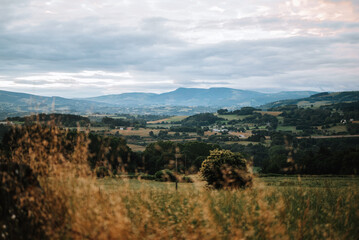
<point>14,104</point>
<point>221,97</point>
<point>316,100</point>
<point>183,101</point>
<point>125,99</point>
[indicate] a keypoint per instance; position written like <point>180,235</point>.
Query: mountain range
<point>184,101</point>
<point>200,97</point>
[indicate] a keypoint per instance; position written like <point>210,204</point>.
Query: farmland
<point>91,175</point>
<point>73,204</point>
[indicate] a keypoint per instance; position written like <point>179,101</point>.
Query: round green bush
<point>225,169</point>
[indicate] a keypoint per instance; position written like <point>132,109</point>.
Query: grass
<point>311,181</point>
<point>272,113</point>
<point>136,148</point>
<point>233,117</point>
<point>95,129</point>
<point>338,128</point>
<point>275,208</point>
<point>275,181</point>
<point>73,204</point>
<point>242,142</point>
<point>162,125</point>
<point>142,132</point>
<point>316,104</point>
<point>168,120</point>
<point>287,128</point>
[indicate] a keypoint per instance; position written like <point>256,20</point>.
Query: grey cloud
<point>153,49</point>
<point>264,57</point>
<point>150,53</point>
<point>55,46</point>
<point>34,82</point>
<point>271,23</point>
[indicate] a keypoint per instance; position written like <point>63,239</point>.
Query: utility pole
<point>176,156</point>
<point>176,171</point>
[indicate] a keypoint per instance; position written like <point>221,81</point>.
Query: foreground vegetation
<point>65,200</point>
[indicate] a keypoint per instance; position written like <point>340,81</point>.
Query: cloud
<point>115,46</point>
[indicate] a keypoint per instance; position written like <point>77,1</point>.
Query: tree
<point>222,111</point>
<point>225,169</point>
<point>151,134</point>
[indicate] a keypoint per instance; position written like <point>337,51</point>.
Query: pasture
<point>232,117</point>
<point>272,113</point>
<point>142,132</point>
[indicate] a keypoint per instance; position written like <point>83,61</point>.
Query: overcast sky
<point>84,48</point>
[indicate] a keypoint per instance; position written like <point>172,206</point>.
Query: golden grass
<point>142,132</point>
<point>137,148</point>
<point>75,205</point>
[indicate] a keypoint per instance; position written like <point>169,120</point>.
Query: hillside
<point>12,104</point>
<point>200,97</point>
<point>183,101</point>
<point>316,100</point>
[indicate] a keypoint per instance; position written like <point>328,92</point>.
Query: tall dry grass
<point>72,204</point>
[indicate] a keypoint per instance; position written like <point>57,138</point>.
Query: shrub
<point>225,169</point>
<point>102,172</point>
<point>146,177</point>
<point>165,175</point>
<point>18,186</point>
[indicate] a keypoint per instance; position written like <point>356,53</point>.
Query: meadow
<point>70,202</point>
<point>276,207</point>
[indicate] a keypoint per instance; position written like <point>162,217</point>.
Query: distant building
<point>219,130</point>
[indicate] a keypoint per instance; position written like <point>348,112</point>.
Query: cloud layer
<point>88,48</point>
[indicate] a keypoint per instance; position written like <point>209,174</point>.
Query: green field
<point>310,181</point>
<point>287,128</point>
<point>168,120</point>
<point>161,125</point>
<point>270,180</point>
<point>338,128</point>
<point>242,142</point>
<point>316,104</point>
<point>233,117</point>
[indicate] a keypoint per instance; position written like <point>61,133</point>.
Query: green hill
<point>315,100</point>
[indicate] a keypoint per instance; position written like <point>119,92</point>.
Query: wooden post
<point>176,172</point>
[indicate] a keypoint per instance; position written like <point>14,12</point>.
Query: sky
<point>86,48</point>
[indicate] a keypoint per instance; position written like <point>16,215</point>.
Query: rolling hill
<point>183,101</point>
<point>316,100</point>
<point>14,104</point>
<point>219,97</point>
